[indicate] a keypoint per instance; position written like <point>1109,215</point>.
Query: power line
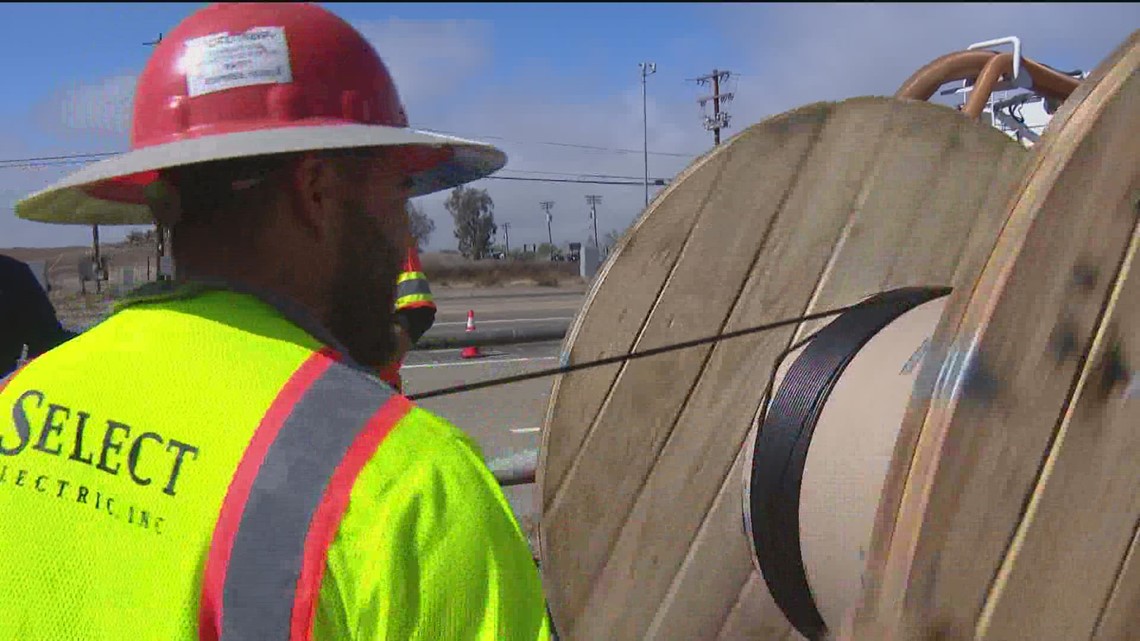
<point>48,162</point>
<point>576,174</point>
<point>581,177</point>
<point>621,358</point>
<point>621,150</point>
<point>675,154</point>
<point>62,161</point>
<point>66,159</point>
<point>656,181</point>
<point>602,179</point>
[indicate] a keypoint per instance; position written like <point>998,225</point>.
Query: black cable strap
<point>565,369</point>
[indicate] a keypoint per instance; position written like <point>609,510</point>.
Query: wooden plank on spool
<point>616,316</point>
<point>652,499</point>
<point>756,616</point>
<point>988,417</point>
<point>700,604</point>
<point>1118,622</point>
<point>1096,453</point>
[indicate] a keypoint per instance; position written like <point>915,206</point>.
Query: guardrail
<point>516,469</point>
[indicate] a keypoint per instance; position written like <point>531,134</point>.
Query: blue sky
<point>525,76</point>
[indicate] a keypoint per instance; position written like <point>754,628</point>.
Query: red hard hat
<point>248,79</point>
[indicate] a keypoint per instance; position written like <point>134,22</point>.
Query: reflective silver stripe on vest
<point>265,563</point>
<point>412,286</point>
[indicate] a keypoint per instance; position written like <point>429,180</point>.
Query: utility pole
<point>647,69</point>
<point>507,238</point>
<point>719,119</point>
<point>159,229</point>
<point>98,263</point>
<point>547,204</point>
<point>593,201</point>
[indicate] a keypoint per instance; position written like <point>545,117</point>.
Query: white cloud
<point>429,60</point>
<point>102,107</point>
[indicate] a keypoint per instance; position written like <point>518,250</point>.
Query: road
<point>503,420</point>
<point>523,309</point>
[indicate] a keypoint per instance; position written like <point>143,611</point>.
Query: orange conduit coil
<point>985,68</point>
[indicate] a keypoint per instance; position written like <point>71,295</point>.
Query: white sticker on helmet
<point>223,61</point>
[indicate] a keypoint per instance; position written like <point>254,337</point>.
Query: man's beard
<point>363,291</point>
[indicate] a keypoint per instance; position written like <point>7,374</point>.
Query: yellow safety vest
<point>413,291</point>
<point>412,288</point>
<point>200,467</point>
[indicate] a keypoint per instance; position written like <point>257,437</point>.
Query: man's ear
<point>313,183</point>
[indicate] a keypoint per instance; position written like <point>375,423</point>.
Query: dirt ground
<point>80,305</point>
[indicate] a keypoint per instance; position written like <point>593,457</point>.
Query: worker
<point>218,459</point>
<point>415,312</point>
<point>27,317</point>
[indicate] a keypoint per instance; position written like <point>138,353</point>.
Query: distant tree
<point>613,237</point>
<point>421,226</point>
<point>474,214</point>
<point>138,237</point>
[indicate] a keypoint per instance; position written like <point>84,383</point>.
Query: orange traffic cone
<point>471,351</point>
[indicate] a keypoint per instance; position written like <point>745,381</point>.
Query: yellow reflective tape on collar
<point>410,276</point>
<point>404,301</point>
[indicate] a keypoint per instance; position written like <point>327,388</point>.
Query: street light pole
<point>647,68</point>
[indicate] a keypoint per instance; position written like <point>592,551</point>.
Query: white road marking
<point>526,430</point>
<point>505,320</point>
<point>483,362</point>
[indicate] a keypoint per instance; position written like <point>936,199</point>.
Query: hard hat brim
<point>73,200</point>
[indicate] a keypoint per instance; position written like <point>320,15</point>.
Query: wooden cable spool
<point>1012,505</point>
<point>647,485</point>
